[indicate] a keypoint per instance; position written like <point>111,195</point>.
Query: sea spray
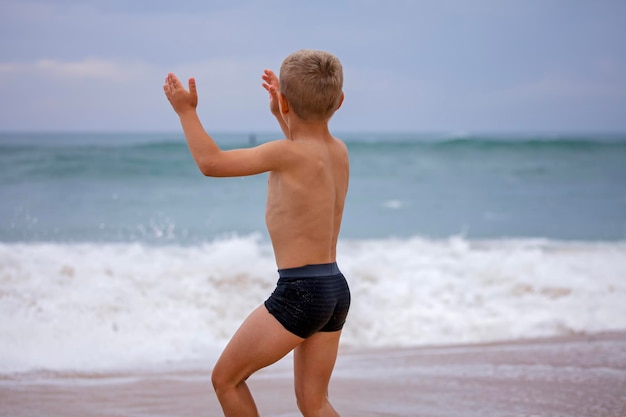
<point>111,306</point>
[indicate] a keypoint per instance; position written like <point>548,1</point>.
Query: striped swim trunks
<point>310,299</point>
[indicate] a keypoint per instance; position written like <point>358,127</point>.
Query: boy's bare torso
<point>305,201</point>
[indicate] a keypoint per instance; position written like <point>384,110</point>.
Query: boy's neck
<point>299,129</point>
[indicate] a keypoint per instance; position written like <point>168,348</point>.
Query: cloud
<point>409,65</point>
<point>566,88</point>
<point>90,68</point>
<point>117,94</point>
<point>85,69</point>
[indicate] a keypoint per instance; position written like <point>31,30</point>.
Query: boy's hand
<point>180,99</point>
<point>271,85</point>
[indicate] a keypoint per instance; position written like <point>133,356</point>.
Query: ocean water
<point>116,252</point>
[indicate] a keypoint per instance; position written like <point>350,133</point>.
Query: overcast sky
<point>444,65</point>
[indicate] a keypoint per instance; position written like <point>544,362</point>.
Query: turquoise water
<point>146,188</point>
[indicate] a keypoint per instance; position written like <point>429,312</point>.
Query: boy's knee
<point>223,380</point>
<point>215,379</point>
<point>220,380</point>
<point>310,405</point>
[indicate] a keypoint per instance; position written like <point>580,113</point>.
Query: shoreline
<point>579,375</point>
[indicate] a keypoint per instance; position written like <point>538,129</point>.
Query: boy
<point>307,186</point>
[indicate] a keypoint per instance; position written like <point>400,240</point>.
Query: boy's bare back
<point>305,201</point>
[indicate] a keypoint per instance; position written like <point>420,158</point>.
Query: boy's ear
<point>283,104</point>
<point>340,101</point>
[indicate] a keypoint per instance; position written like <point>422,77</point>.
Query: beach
<point>581,375</point>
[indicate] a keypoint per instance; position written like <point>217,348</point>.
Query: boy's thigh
<point>260,341</point>
<point>314,361</point>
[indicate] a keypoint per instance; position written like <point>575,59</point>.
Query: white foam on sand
<point>103,306</point>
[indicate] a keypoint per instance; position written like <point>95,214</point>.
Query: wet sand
<point>570,376</point>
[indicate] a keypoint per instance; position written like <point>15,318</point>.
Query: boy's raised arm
<point>271,85</point>
<point>209,158</point>
<point>184,103</point>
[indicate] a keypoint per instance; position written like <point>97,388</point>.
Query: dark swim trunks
<point>310,299</point>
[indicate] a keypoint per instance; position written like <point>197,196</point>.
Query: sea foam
<point>111,306</point>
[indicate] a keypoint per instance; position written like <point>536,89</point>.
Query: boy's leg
<point>260,341</point>
<point>314,360</point>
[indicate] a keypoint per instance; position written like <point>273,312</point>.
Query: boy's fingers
<point>166,89</point>
<point>192,86</point>
<point>173,80</point>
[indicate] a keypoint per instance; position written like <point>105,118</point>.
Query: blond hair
<point>312,83</point>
